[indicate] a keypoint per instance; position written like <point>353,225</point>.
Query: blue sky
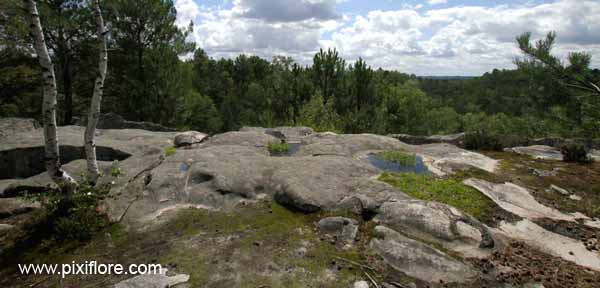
<point>432,37</point>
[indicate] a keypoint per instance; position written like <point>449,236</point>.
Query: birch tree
<point>94,113</point>
<point>52,154</point>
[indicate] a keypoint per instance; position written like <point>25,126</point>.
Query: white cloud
<point>187,10</point>
<point>464,40</point>
<point>435,2</point>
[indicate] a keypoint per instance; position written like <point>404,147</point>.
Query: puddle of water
<point>294,148</point>
<point>390,166</point>
<point>184,167</point>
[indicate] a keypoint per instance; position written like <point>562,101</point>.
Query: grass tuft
<point>170,151</point>
<point>448,191</point>
<point>402,158</point>
<point>275,147</point>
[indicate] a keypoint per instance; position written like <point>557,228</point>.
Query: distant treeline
<point>148,81</point>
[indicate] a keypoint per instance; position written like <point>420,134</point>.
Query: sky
<point>426,38</point>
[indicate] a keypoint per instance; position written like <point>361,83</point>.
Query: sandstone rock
<point>567,248</point>
<point>538,152</point>
<point>454,139</point>
<point>361,284</point>
<point>15,206</point>
<point>10,126</point>
<point>189,138</point>
<point>443,159</point>
<point>575,197</point>
<point>288,133</point>
<point>247,138</point>
<point>342,229</point>
<point>4,228</point>
<point>559,190</point>
<point>348,145</point>
<point>419,260</point>
<point>437,223</point>
<point>310,184</point>
<point>21,156</point>
<point>516,200</point>
<point>116,121</point>
<point>154,281</point>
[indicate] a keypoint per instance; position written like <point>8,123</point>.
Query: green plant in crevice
<point>170,151</point>
<point>402,158</point>
<point>115,170</point>
<point>276,148</point>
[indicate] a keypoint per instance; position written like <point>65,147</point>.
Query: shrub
<point>115,170</point>
<point>69,217</point>
<point>481,140</point>
<point>575,153</point>
<point>275,147</point>
<point>398,157</point>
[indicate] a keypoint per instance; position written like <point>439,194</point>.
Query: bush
<point>575,153</point>
<point>481,140</point>
<point>69,217</point>
<point>275,147</point>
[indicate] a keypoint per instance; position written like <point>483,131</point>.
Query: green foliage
<point>69,217</point>
<point>443,120</point>
<point>278,147</point>
<point>449,191</point>
<point>399,157</point>
<point>575,153</point>
<point>481,140</point>
<point>407,107</point>
<point>170,151</point>
<point>320,116</point>
<point>115,170</point>
<point>199,113</point>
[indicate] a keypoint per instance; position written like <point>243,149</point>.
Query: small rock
<point>5,228</point>
<point>575,197</point>
<point>541,173</point>
<point>154,281</point>
<point>189,138</point>
<point>339,228</point>
<point>559,190</point>
<point>361,284</point>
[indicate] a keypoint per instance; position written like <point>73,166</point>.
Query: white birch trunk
<point>94,113</point>
<point>52,154</point>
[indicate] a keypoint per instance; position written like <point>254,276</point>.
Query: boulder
<point>311,184</point>
<point>339,228</point>
<point>538,152</point>
<point>557,245</point>
<point>454,139</point>
<point>10,126</point>
<point>361,284</point>
<point>437,223</point>
<point>287,133</point>
<point>116,121</point>
<point>189,138</point>
<point>443,159</point>
<point>246,138</point>
<point>348,144</point>
<point>419,260</point>
<point>16,206</point>
<point>160,280</point>
<point>517,200</point>
<point>4,228</point>
<point>559,190</point>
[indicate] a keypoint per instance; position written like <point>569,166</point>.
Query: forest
<point>156,74</point>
